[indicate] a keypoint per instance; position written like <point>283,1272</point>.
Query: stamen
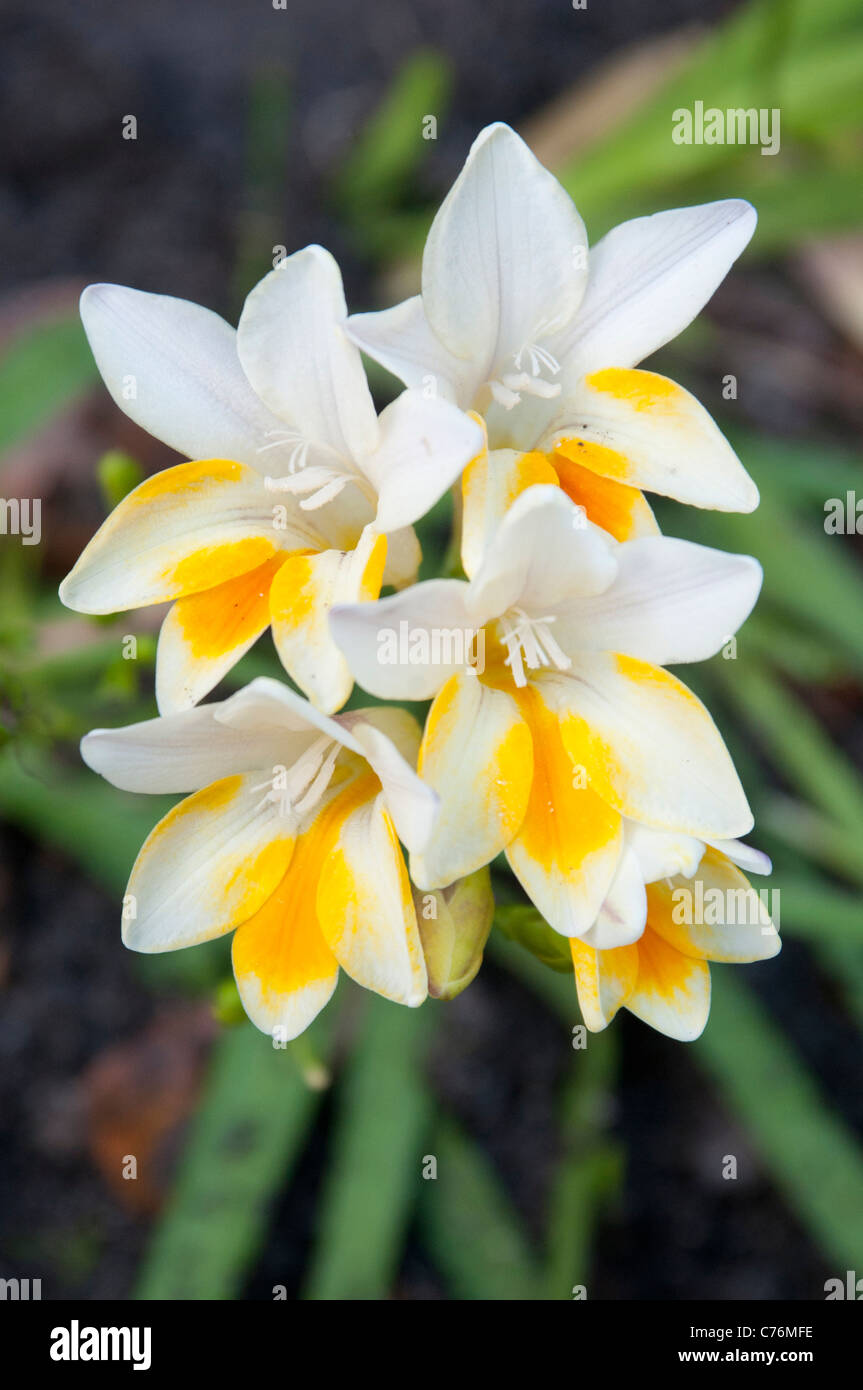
<point>307,481</point>
<point>531,386</point>
<point>529,643</point>
<point>324,494</point>
<point>307,780</point>
<point>502,395</point>
<point>321,782</point>
<point>508,389</point>
<point>298,455</point>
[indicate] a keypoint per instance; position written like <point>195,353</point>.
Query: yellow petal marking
<point>505,795</point>
<point>348,901</point>
<point>597,458</point>
<point>186,478</point>
<point>617,508</point>
<point>215,564</point>
<point>604,980</point>
<point>255,878</point>
<point>297,597</point>
<point>489,487</point>
<point>564,823</point>
<point>663,972</point>
<point>230,614</point>
<point>643,392</point>
<point>282,944</point>
<point>598,756</point>
<point>639,389</point>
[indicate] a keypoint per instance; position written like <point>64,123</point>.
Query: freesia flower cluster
<point>555,735</point>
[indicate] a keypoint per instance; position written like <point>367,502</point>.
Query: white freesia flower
<point>573,725</point>
<point>520,322</point>
<point>297,495</point>
<point>674,904</point>
<point>291,836</point>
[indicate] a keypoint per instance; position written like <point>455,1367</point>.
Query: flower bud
<point>454,924</point>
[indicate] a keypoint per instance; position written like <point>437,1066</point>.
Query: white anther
<point>529,643</point>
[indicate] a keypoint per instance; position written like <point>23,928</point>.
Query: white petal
<point>269,704</point>
<point>412,804</point>
<point>184,530</point>
<point>295,352</point>
<point>662,853</point>
<point>649,746</point>
<point>754,861</point>
<point>477,753</point>
<point>402,341</point>
<point>717,915</point>
<point>672,991</point>
<point>544,554</point>
<point>404,556</point>
<point>568,846</point>
<point>181,752</point>
<point>400,727</point>
<point>365,908</point>
<point>671,601</point>
<point>503,258</point>
<point>406,646</point>
<point>489,487</point>
<point>211,863</point>
<point>301,597</point>
<point>424,445</point>
<point>205,634</point>
<point>173,368</point>
<point>648,279</point>
<point>284,970</point>
<point>623,914</point>
<point>604,981</point>
<point>642,429</point>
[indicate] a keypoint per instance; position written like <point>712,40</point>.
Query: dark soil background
<point>83,1043</point>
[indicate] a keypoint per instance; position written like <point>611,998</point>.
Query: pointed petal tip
<point>103,295</point>
<point>134,938</point>
<point>87,747</point>
<point>496,130</point>
<point>739,208</point>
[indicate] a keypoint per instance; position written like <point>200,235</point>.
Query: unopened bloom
<point>297,493</point>
<point>454,925</point>
<point>699,907</point>
<point>572,725</point>
<point>291,837</point>
<point>520,322</point>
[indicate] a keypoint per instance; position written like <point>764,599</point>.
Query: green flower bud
<point>118,473</point>
<point>454,925</point>
<point>527,927</point>
<point>226,1004</point>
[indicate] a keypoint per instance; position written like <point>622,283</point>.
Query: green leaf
<point>469,1225</point>
<point>795,741</point>
<point>375,1164</point>
<point>814,909</point>
<point>810,1153</point>
<point>102,830</point>
<point>391,145</point>
<point>41,372</point>
<point>814,836</point>
<point>259,217</point>
<point>589,1169</point>
<point>812,578</point>
<point>99,827</point>
<point>246,1137</point>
